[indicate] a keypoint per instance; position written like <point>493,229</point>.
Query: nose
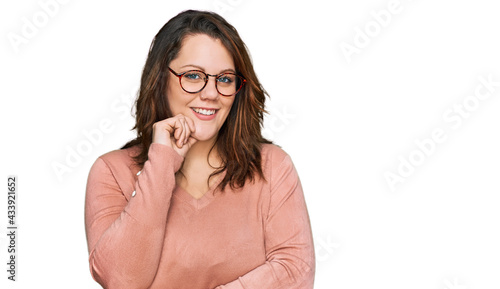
<point>210,91</point>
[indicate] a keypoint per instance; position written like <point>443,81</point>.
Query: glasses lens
<point>193,81</point>
<point>228,83</point>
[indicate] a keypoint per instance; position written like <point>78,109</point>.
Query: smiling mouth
<point>204,111</point>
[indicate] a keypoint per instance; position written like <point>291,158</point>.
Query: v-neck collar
<point>204,200</point>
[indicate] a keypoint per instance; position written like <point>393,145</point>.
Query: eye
<point>226,78</point>
<point>194,75</point>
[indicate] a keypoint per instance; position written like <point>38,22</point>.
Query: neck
<point>198,164</point>
<point>198,157</point>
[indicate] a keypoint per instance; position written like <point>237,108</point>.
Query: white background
<point>346,121</point>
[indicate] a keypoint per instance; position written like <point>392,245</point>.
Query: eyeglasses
<point>194,81</point>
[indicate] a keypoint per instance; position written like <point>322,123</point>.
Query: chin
<point>204,135</point>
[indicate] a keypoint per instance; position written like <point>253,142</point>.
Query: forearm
<point>127,254</point>
<point>276,275</point>
<point>126,237</point>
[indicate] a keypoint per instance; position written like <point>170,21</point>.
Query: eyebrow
<point>201,68</point>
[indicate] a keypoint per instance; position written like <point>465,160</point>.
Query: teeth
<point>204,111</point>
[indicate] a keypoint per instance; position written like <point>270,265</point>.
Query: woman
<point>199,199</point>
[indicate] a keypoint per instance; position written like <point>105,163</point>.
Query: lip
<point>205,117</point>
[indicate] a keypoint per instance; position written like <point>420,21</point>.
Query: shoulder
<point>117,164</point>
<point>280,175</point>
<point>120,158</point>
<point>115,169</point>
<point>274,158</point>
<point>271,150</point>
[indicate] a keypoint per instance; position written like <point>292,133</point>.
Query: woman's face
<point>201,52</point>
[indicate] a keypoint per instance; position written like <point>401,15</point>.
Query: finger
<point>169,128</point>
<point>188,131</point>
<point>182,136</point>
<point>172,127</point>
<point>191,141</point>
<point>177,129</point>
<point>190,122</point>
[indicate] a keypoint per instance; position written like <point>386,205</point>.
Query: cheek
<point>176,101</point>
<point>226,110</point>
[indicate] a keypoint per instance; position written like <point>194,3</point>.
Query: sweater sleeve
<point>290,260</point>
<point>125,238</point>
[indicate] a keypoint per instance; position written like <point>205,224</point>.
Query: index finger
<point>190,122</point>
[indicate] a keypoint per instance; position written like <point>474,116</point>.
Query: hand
<point>175,132</point>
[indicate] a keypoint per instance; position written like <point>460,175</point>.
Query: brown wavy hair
<point>239,139</point>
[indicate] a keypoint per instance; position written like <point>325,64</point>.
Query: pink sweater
<point>144,231</point>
